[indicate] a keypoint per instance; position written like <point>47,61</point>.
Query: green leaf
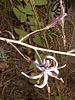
<point>37,58</point>
<point>20,15</point>
<point>58,98</point>
<point>26,1</point>
<point>32,23</point>
<point>39,40</point>
<point>21,8</point>
<point>28,9</point>
<point>40,2</point>
<point>31,80</point>
<point>23,18</point>
<point>31,66</point>
<point>20,32</point>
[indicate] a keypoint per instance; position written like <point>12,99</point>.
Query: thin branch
<point>39,30</point>
<point>18,51</point>
<point>52,24</point>
<point>36,48</point>
<point>10,33</point>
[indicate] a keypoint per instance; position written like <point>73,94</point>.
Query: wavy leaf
<point>40,2</point>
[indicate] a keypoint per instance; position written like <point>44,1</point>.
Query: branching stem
<point>36,48</point>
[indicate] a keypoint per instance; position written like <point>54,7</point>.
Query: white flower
<point>48,68</point>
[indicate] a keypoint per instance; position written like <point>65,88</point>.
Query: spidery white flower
<point>48,68</point>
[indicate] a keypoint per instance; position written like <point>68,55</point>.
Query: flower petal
<point>54,76</point>
<point>54,22</point>
<point>32,77</point>
<point>61,67</point>
<point>37,65</point>
<point>47,62</point>
<point>51,57</point>
<point>54,69</point>
<point>44,82</point>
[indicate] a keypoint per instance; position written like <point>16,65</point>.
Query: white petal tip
<point>23,73</point>
<point>61,80</point>
<point>38,86</point>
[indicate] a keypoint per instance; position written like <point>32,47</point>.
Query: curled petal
<point>37,65</point>
<point>54,76</point>
<point>61,67</point>
<point>51,57</point>
<point>54,69</point>
<point>32,77</point>
<point>61,80</point>
<point>47,62</point>
<point>44,82</point>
